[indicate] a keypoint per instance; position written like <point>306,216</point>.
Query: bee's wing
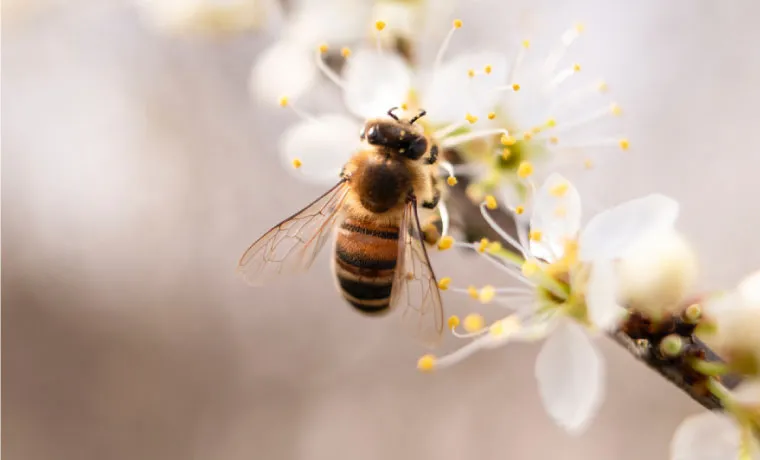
<point>415,289</point>
<point>292,245</point>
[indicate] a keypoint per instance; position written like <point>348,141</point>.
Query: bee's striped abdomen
<point>365,261</point>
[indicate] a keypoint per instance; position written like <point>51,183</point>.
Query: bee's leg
<point>433,226</point>
<point>433,155</point>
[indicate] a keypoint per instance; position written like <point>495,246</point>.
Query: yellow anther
<point>505,326</point>
<point>526,44</point>
<point>515,87</point>
<point>471,73</point>
<point>345,52</point>
<point>519,210</point>
<point>379,25</point>
<point>560,189</point>
<point>624,144</point>
<point>404,106</point>
<point>323,48</point>
<point>616,110</point>
<point>505,153</point>
<point>283,101</point>
<point>576,67</point>
<point>483,244</point>
<point>452,181</point>
<point>560,212</point>
<point>508,140</point>
<point>426,363</point>
<point>525,169</point>
<point>487,69</point>
<point>453,321</point>
<point>602,86</point>
<point>535,235</point>
<point>457,23</point>
<point>551,122</point>
<point>529,268</point>
<point>588,164</point>
<point>486,294</point>
<point>580,27</point>
<point>491,115</point>
<point>473,292</point>
<point>471,118</point>
<point>473,322</point>
<point>491,202</point>
<point>496,329</point>
<point>554,139</point>
<point>493,247</point>
<point>444,283</point>
<point>527,135</point>
<point>446,243</point>
<point>296,163</point>
<point>535,129</point>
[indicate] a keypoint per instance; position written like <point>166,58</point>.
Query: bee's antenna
<point>419,115</point>
<point>391,114</point>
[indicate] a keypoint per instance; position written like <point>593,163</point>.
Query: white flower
<point>735,317</point>
<point>208,16</point>
<point>721,436</point>
<point>570,290</point>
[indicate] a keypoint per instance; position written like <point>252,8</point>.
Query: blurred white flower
<point>208,16</point>
<point>570,289</point>
<point>722,436</point>
<point>734,321</point>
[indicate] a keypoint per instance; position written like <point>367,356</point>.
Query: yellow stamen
<point>283,101</point>
<point>576,67</point>
<point>519,210</point>
<point>505,153</point>
<point>527,135</point>
<point>551,122</point>
<point>486,294</point>
<point>491,202</point>
<point>624,144</point>
<point>483,245</point>
<point>473,292</point>
<point>554,139</point>
<point>580,27</point>
<point>457,23</point>
<point>491,115</point>
<point>493,247</point>
<point>496,329</point>
<point>471,73</point>
<point>345,52</point>
<point>323,48</point>
<point>426,363</point>
<point>508,140</point>
<point>515,87</point>
<point>446,243</point>
<point>452,181</point>
<point>296,163</point>
<point>616,110</point>
<point>380,25</point>
<point>588,164</point>
<point>471,118</point>
<point>602,86</point>
<point>525,169</point>
<point>473,322</point>
<point>404,106</point>
<point>535,235</point>
<point>453,321</point>
<point>560,189</point>
<point>536,129</point>
<point>529,268</point>
<point>444,283</point>
<point>487,69</point>
<point>526,44</point>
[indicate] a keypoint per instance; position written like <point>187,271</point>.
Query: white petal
<point>284,69</point>
<point>610,233</point>
<point>707,436</point>
<point>748,392</point>
<point>601,296</point>
<point>450,94</point>
<point>375,82</point>
<point>557,215</point>
<point>323,146</point>
<point>329,21</point>
<point>749,289</point>
<point>570,374</point>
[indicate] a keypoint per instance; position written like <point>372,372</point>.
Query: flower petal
<point>375,82</point>
<point>706,436</point>
<point>601,296</point>
<point>322,146</point>
<point>557,215</point>
<point>450,93</point>
<point>570,374</point>
<point>749,289</point>
<point>284,69</point>
<point>610,233</point>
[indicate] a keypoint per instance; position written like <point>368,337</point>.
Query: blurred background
<point>136,168</point>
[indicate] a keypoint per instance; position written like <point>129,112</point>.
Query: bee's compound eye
<point>373,135</point>
<point>417,148</point>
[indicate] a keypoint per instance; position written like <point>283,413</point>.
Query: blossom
<point>722,436</point>
<point>208,16</point>
<point>570,289</point>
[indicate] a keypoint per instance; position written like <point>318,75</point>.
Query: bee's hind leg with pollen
<point>432,227</point>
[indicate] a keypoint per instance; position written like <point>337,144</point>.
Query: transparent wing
<point>415,289</point>
<point>292,245</point>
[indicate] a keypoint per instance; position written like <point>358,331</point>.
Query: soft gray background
<point>136,169</point>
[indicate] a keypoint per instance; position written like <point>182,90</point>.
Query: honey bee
<point>380,261</point>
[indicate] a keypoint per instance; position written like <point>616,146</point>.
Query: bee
<point>380,262</point>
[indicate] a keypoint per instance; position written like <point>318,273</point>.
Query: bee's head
<point>395,134</point>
